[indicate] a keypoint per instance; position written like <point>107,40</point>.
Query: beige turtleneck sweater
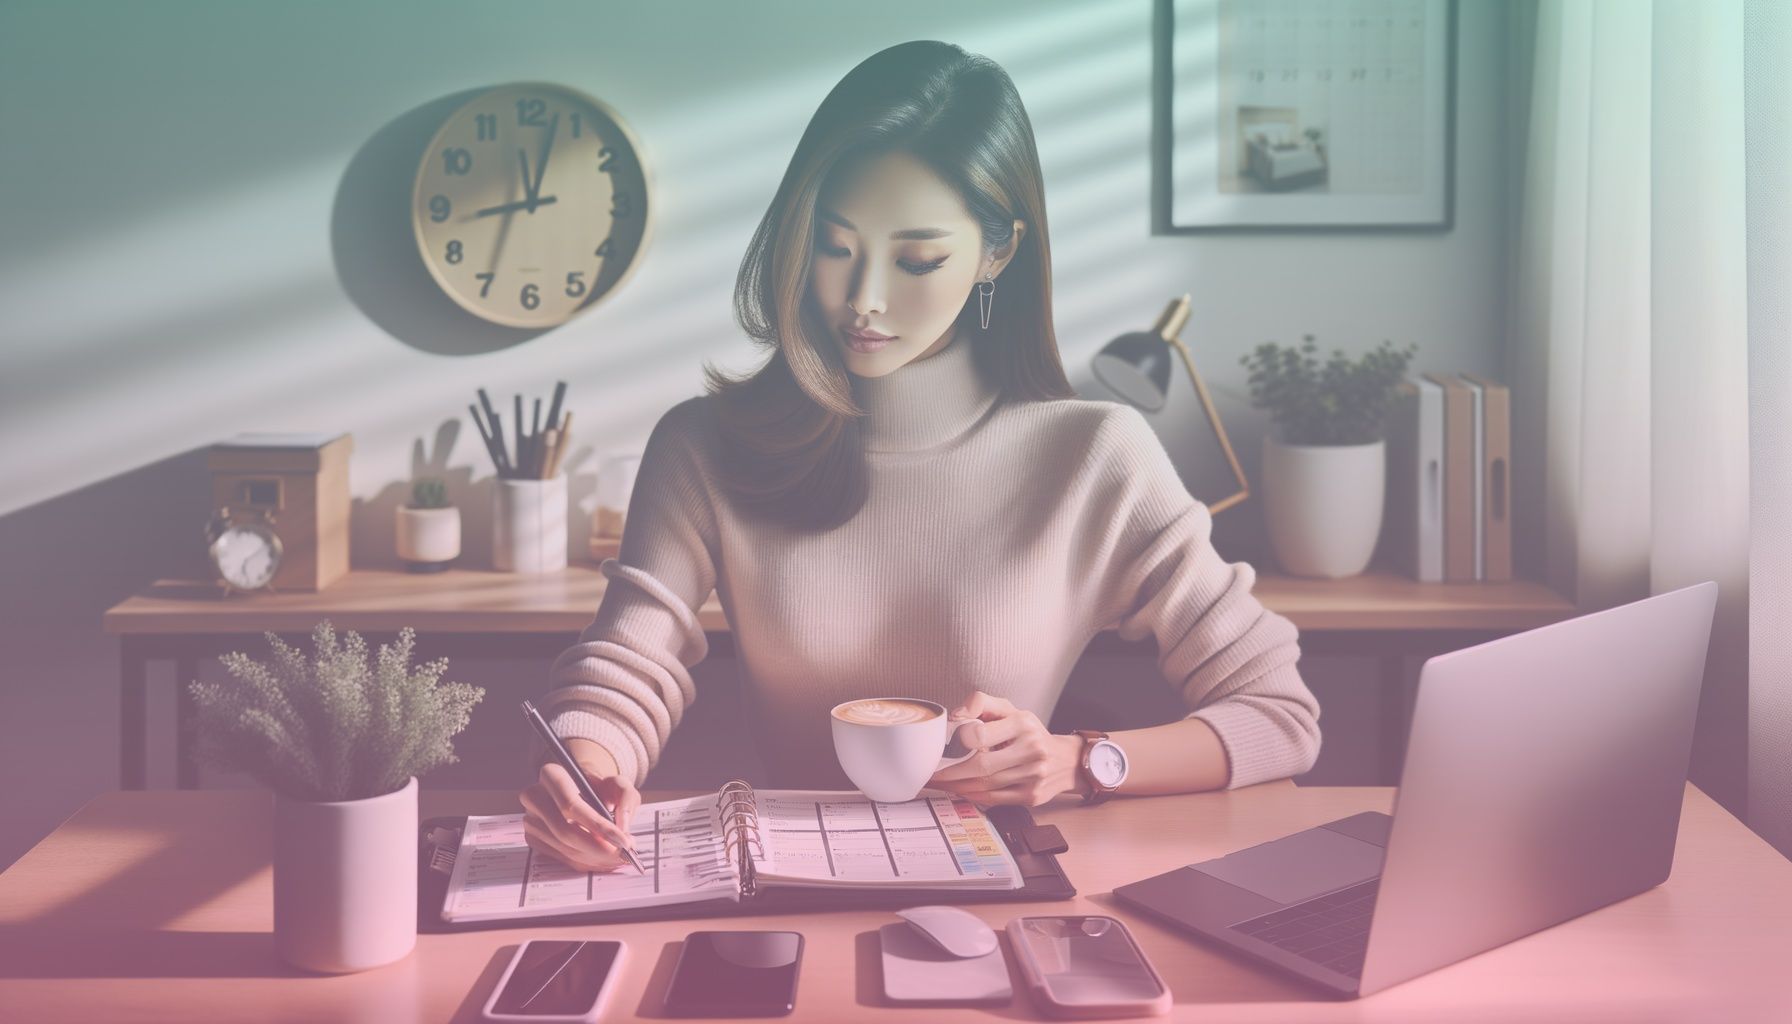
<point>997,540</point>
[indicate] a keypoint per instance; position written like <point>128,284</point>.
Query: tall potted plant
<point>1325,464</point>
<point>340,739</point>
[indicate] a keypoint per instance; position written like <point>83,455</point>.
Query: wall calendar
<point>1305,114</point>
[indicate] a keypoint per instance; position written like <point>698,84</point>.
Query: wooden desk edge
<point>1374,602</point>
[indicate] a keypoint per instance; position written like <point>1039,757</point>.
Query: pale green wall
<point>190,246</point>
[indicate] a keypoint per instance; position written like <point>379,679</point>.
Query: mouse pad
<point>917,971</point>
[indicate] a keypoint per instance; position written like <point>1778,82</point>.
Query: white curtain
<point>1631,341</point>
<point>1767,59</point>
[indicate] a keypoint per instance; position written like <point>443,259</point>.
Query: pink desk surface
<point>158,905</point>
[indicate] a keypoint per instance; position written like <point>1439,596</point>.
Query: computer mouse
<point>959,933</point>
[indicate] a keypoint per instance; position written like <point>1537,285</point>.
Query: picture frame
<point>1290,115</point>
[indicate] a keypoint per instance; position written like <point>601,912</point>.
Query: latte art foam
<point>886,712</point>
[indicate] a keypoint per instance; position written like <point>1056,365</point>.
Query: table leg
<point>1393,717</point>
<point>186,770</point>
<point>133,725</point>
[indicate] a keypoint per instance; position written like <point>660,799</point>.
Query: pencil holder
<point>529,525</point>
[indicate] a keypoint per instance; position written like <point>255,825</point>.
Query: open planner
<point>738,846</point>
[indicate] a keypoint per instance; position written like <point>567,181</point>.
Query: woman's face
<point>896,252</point>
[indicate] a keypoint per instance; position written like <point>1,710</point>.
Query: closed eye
<point>916,269</point>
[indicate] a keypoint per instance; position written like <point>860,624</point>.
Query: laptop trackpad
<point>1298,867</point>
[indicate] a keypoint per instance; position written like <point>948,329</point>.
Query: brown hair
<point>789,431</point>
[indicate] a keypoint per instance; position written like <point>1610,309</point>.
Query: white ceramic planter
<point>1323,505</point>
<point>529,525</point>
<point>345,881</point>
<point>428,538</point>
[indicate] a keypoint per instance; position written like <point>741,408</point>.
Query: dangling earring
<point>986,297</point>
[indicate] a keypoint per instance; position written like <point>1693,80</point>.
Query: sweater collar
<point>925,403</point>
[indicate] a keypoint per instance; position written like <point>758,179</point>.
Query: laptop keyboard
<point>1331,930</point>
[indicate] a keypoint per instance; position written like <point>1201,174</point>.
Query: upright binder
<point>1415,480</point>
<point>1496,504</point>
<point>1460,472</point>
<point>1478,464</point>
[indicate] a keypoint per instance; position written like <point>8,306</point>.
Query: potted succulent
<point>428,528</point>
<point>341,740</point>
<point>1325,463</point>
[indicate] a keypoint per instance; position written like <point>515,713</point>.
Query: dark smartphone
<point>735,974</point>
<point>555,980</point>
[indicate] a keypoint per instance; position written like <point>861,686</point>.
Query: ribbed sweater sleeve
<point>627,681</point>
<point>1233,660</point>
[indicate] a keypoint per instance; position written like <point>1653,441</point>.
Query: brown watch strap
<point>1097,792</point>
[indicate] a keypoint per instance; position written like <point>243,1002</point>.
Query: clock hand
<point>518,205</point>
<point>541,170</point>
<point>528,183</point>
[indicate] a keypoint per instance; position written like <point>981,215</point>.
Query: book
<point>1496,418</point>
<point>732,846</point>
<point>1478,468</point>
<point>1415,479</point>
<point>1459,479</point>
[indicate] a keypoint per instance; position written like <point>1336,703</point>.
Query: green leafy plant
<point>1335,403</point>
<point>332,726</point>
<point>429,492</point>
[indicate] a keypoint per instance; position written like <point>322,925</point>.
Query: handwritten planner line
<point>885,836</point>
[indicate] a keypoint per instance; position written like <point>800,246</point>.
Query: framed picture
<point>1303,115</point>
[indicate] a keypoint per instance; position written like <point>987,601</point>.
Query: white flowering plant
<point>332,725</point>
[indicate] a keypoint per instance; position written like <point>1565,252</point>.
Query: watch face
<point>246,557</point>
<point>1107,763</point>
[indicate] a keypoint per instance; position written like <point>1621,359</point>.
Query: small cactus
<point>429,493</point>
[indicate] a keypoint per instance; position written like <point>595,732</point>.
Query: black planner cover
<point>1034,848</point>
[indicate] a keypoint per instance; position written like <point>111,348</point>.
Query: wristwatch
<point>1103,767</point>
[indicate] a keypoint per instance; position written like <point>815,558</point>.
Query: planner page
<point>679,843</point>
<point>934,841</point>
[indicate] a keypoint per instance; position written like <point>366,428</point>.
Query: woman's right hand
<point>557,820</point>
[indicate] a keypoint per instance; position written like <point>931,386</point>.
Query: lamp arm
<point>1219,429</point>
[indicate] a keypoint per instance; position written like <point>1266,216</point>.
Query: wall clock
<point>531,204</point>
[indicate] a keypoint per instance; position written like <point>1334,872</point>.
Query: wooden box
<point>302,479</point>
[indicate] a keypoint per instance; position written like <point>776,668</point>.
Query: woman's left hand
<point>1016,761</point>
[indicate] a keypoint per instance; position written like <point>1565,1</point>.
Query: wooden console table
<point>474,614</point>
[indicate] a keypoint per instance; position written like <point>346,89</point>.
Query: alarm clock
<point>245,551</point>
<point>531,204</point>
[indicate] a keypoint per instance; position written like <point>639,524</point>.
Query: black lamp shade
<point>1136,367</point>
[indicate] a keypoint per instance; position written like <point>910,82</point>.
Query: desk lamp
<point>1136,366</point>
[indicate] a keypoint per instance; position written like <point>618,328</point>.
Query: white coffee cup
<point>890,746</point>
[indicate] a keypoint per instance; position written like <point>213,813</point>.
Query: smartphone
<point>1086,967</point>
<point>735,974</point>
<point>555,980</point>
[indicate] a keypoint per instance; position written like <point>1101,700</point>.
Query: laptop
<point>1543,779</point>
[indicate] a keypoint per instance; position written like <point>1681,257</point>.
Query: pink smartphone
<point>1086,967</point>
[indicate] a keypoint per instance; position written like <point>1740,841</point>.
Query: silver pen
<point>578,777</point>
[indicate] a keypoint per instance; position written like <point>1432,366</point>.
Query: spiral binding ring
<point>740,826</point>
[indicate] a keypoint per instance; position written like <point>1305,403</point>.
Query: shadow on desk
<point>138,902</point>
<point>159,879</point>
<point>470,1008</point>
<point>36,951</point>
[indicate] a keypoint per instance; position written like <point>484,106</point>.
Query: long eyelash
<point>924,268</point>
<point>916,269</point>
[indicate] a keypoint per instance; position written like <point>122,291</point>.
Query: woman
<point>932,514</point>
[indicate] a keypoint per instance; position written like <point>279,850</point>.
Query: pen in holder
<point>529,524</point>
